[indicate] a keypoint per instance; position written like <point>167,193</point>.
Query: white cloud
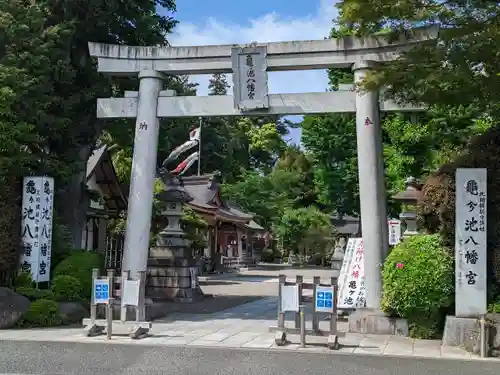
<point>267,28</point>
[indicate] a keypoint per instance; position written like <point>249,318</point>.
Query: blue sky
<point>230,21</point>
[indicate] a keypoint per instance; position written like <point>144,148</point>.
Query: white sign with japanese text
<point>351,281</point>
<point>45,237</point>
<point>470,242</point>
<point>352,244</point>
<point>30,225</point>
<point>36,226</point>
<point>394,232</point>
<point>250,78</point>
<point>289,298</point>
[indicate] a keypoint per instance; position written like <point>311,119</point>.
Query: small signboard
<point>290,298</point>
<point>324,299</point>
<point>130,296</point>
<point>394,232</point>
<point>101,291</point>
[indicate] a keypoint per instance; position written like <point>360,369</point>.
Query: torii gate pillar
<point>142,179</point>
<point>372,194</point>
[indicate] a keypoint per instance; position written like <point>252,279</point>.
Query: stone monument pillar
<point>172,269</point>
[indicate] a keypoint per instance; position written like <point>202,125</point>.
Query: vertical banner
<point>470,242</point>
<point>30,225</point>
<point>36,226</point>
<point>45,239</point>
<point>351,292</point>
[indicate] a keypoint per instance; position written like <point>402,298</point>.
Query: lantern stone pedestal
<point>172,270</point>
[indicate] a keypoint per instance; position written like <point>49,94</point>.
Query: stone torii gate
<point>249,65</point>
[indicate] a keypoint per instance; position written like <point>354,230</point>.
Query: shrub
<point>66,288</point>
<point>61,242</point>
<point>494,308</point>
<point>267,256</point>
<point>80,265</point>
<point>437,206</point>
<point>41,313</point>
<point>418,284</point>
<point>35,294</point>
<point>24,279</point>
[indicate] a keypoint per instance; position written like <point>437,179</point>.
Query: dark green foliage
<point>10,225</point>
<point>268,256</point>
<point>35,294</point>
<point>61,243</point>
<point>41,313</point>
<point>79,265</point>
<point>418,284</point>
<point>67,288</point>
<point>437,207</point>
<point>23,279</point>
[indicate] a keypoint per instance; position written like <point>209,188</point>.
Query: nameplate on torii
<point>250,90</point>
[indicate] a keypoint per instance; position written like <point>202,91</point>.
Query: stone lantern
<point>172,269</point>
<point>410,198</point>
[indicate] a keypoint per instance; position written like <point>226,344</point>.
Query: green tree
<point>266,196</point>
<point>413,144</point>
<point>331,141</point>
<point>50,85</point>
<point>462,69</point>
<point>296,161</point>
<point>304,230</point>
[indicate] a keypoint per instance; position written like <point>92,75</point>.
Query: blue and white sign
<point>101,291</point>
<point>324,299</point>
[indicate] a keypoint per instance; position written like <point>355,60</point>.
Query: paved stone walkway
<point>246,326</point>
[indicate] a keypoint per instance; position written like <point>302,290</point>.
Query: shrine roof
<point>205,191</point>
<point>346,224</point>
<point>254,226</point>
<point>101,166</point>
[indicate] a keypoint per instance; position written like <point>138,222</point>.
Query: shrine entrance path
<point>235,289</point>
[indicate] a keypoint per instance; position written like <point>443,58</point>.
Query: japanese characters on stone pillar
<point>470,242</point>
<point>36,226</point>
<point>250,77</point>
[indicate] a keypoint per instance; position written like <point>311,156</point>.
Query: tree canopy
<point>49,85</point>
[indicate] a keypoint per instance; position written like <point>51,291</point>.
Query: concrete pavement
<point>245,327</point>
<point>53,358</point>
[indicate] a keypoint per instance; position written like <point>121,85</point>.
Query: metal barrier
<point>132,294</point>
<point>290,298</point>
